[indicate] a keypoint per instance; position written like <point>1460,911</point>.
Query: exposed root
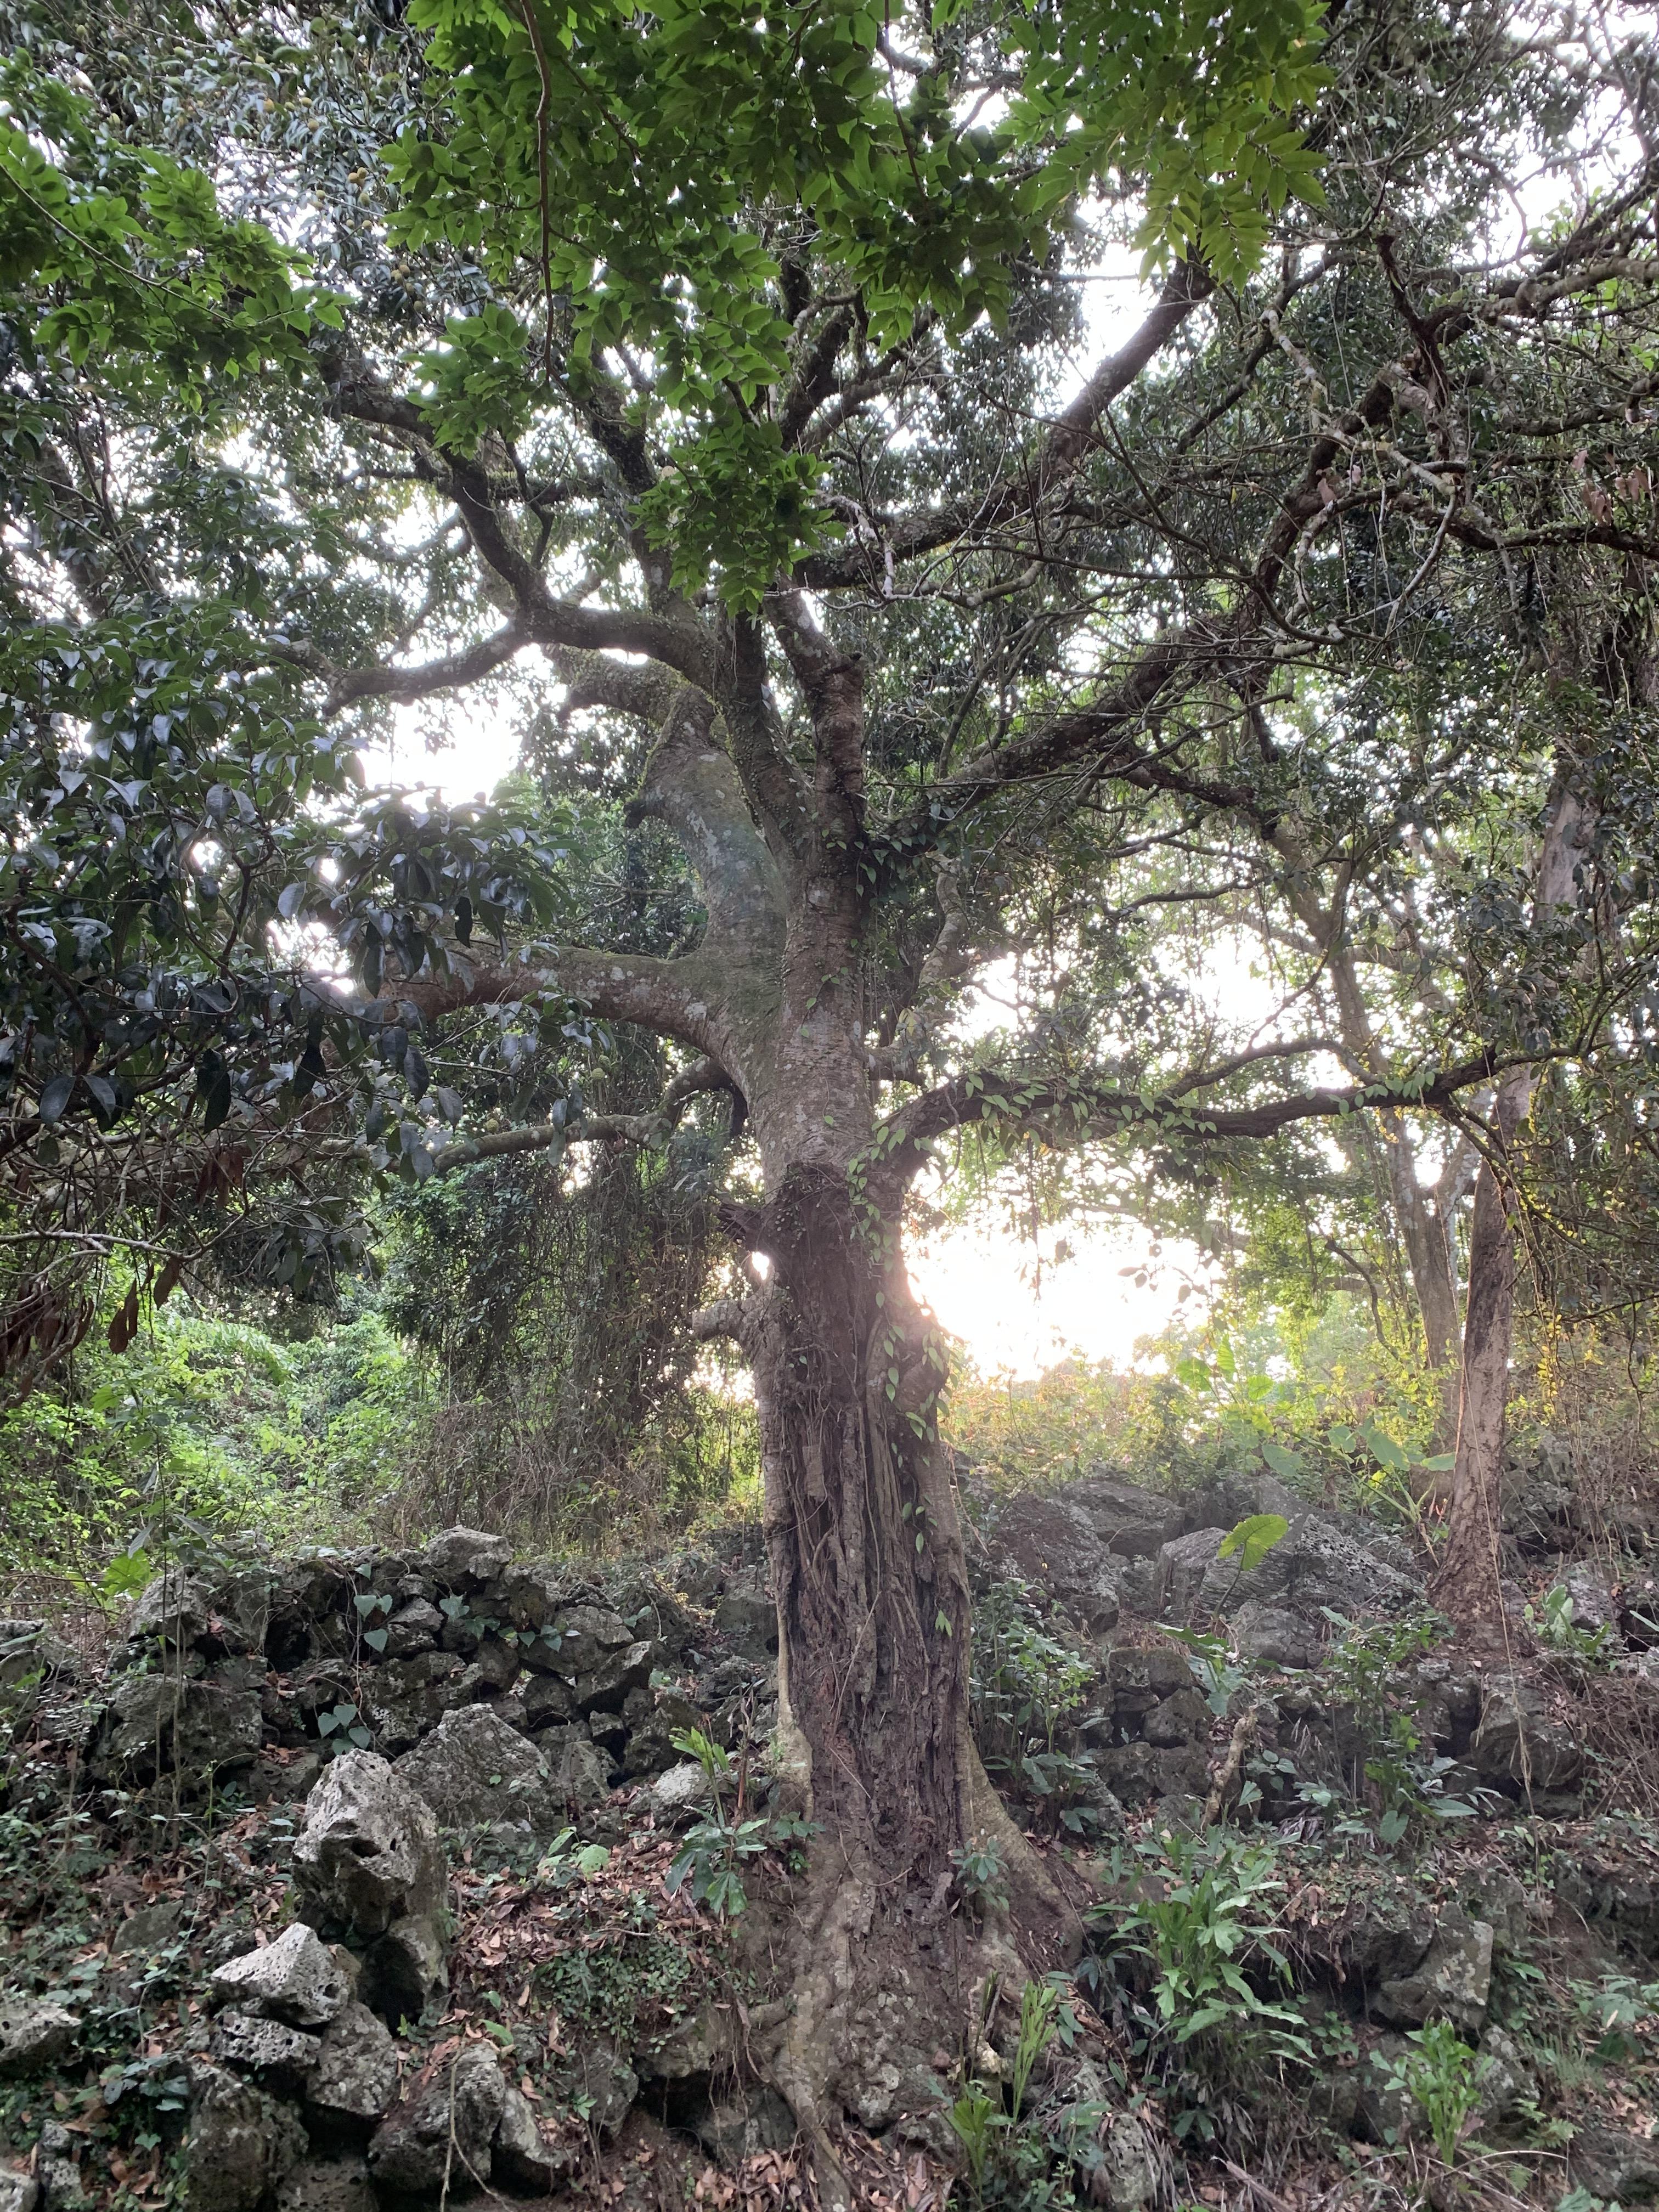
<point>889,1989</point>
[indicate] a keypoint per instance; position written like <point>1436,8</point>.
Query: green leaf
<point>127,1573</point>
<point>1253,1538</point>
<point>1282,1461</point>
<point>1384,1450</point>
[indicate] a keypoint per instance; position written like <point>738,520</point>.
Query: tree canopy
<point>721,394</point>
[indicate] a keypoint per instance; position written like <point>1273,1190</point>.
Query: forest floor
<point>1410,1961</point>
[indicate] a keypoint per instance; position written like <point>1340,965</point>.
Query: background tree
<point>718,377</point>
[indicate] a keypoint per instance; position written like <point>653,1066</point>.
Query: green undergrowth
<point>212,1419</point>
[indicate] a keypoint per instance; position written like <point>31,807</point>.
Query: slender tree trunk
<point>1422,1232</point>
<point>1469,1584</point>
<point>1428,1260</point>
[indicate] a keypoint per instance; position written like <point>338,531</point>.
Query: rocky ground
<point>369,1880</point>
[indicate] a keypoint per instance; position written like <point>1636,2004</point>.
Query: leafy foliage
<point>1204,1923</point>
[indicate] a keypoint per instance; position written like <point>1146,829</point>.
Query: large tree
<point>718,379</point>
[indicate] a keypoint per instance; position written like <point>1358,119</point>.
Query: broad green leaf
<point>1253,1538</point>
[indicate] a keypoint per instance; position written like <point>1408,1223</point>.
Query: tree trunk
<point>861,1529</point>
<point>1469,1584</point>
<point>1423,1232</point>
<point>1428,1260</point>
<point>871,1578</point>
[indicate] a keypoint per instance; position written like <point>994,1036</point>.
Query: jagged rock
<point>699,2046</point>
<point>1537,1488</point>
<point>414,1627</point>
<point>404,1969</point>
<point>586,1632</point>
<point>598,2070</point>
<point>1496,1896</point>
<point>495,1665</point>
<point>1104,1810</point>
<point>1139,1678</point>
<point>1453,1982</point>
<point>736,2130</point>
<point>403,1699</point>
<point>525,2161</point>
<point>1044,1539</point>
<point>151,1928</point>
<point>1182,1567</point>
<point>282,2057</point>
<point>327,2184</point>
<point>356,2071</point>
<point>548,1700</point>
<point>608,1731</point>
<point>1448,1698</point>
<point>1181,1718</point>
<point>1275,1636</point>
<point>296,1978</point>
<point>1128,2173</point>
<point>604,1688</point>
<point>197,1726</point>
<point>1503,2077</point>
<point>509,1709</point>
<point>35,2032</point>
<point>31,1653</point>
<point>226,1613</point>
<point>1131,1772</point>
<point>19,2192</point>
<point>1387,1941</point>
<point>465,1559</point>
<point>410,2152</point>
<point>368,1855</point>
<point>284,1777</point>
<point>241,2144</point>
<point>56,2169</point>
<point>579,1773</point>
<point>473,1768</point>
<point>698,1577</point>
<point>1135,1522</point>
<point>680,1791</point>
<point>748,1621</point>
<point>654,1718</point>
<point>655,1611</point>
<point>532,1592</point>
<point>1595,1601</point>
<point>1317,1566</point>
<point>1516,1743</point>
<point>1603,1890</point>
<point>1617,2167</point>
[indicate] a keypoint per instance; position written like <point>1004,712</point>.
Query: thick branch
<point>653,1128</point>
<point>1085,1111</point>
<point>679,643</point>
<point>671,997</point>
<point>692,788</point>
